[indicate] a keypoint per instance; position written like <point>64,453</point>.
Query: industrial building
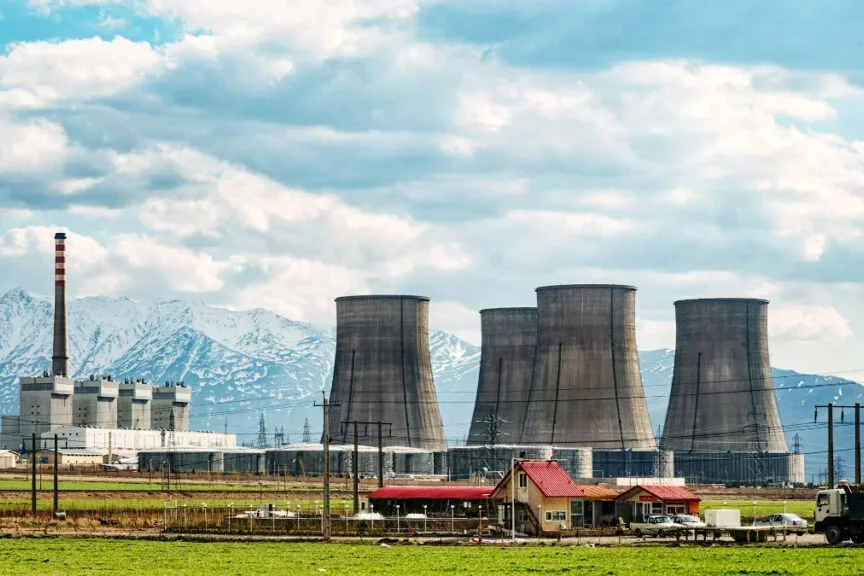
<point>94,403</point>
<point>586,387</point>
<point>492,462</point>
<point>133,405</point>
<point>722,421</point>
<point>8,459</point>
<point>192,460</point>
<point>383,373</point>
<point>128,442</point>
<point>633,463</point>
<point>308,460</point>
<point>67,457</point>
<point>509,341</point>
<point>169,408</point>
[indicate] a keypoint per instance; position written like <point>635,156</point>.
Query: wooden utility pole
<point>56,490</point>
<point>857,444</point>
<point>830,445</point>
<point>380,457</point>
<point>355,465</point>
<point>326,444</point>
<point>33,466</point>
<point>355,468</point>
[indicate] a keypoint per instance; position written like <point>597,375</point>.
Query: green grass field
<point>139,486</point>
<point>803,508</point>
<point>72,557</point>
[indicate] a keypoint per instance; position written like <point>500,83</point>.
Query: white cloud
<point>31,147</point>
<point>48,72</point>
<point>455,318</point>
<point>805,322</point>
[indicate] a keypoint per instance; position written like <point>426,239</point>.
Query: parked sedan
<point>791,522</point>
<point>689,521</point>
<point>658,525</point>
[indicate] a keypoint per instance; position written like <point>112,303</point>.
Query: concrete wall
<point>506,364</point>
<point>740,467</point>
<point>46,403</point>
<point>213,461</point>
<point>639,463</point>
<point>722,396</point>
<point>586,386</point>
<point>133,405</point>
<point>94,404</point>
<point>169,408</point>
<point>383,372</point>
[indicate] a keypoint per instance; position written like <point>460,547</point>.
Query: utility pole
<point>830,445</point>
<point>33,466</point>
<point>356,460</point>
<point>56,491</point>
<point>380,457</point>
<point>857,444</point>
<point>355,467</point>
<point>325,442</point>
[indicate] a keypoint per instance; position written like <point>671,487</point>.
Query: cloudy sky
<point>280,153</point>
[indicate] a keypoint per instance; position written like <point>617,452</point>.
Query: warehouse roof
<point>432,493</point>
<point>664,493</point>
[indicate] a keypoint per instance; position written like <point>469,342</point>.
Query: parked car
<point>658,525</point>
<point>689,521</point>
<point>791,522</point>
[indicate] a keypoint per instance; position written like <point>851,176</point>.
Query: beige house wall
<point>539,503</point>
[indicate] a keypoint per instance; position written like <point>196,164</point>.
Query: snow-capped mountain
<point>238,364</point>
<point>242,364</point>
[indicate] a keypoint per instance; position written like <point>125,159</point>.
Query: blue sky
<point>289,152</point>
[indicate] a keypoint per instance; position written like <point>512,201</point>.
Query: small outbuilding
<point>544,496</point>
<point>641,501</point>
<point>458,501</point>
<point>71,457</point>
<point>8,459</point>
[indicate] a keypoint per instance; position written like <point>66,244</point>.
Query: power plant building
<point>214,461</point>
<point>509,342</point>
<point>469,462</point>
<point>94,403</point>
<point>383,373</point>
<point>98,413</point>
<point>133,405</point>
<point>722,421</point>
<point>308,460</point>
<point>169,408</point>
<point>586,387</point>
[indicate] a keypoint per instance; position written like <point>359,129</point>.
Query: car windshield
<point>663,520</point>
<point>687,519</point>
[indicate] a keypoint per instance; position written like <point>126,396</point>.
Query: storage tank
<point>722,396</point>
<point>383,373</point>
<point>586,386</point>
<point>506,364</point>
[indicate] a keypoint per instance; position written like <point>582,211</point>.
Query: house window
<point>523,480</point>
<point>556,516</point>
<point>674,509</point>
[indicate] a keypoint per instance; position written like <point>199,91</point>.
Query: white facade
<point>124,441</point>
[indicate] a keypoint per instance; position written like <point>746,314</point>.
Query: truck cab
<point>839,514</point>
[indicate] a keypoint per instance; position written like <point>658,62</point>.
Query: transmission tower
<point>796,444</point>
<point>279,436</point>
<point>307,432</point>
<point>262,433</point>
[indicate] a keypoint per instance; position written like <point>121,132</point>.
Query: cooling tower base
<point>740,467</point>
<point>308,460</point>
<point>492,462</point>
<point>633,463</point>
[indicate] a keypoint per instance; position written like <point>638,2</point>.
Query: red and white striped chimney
<point>60,358</point>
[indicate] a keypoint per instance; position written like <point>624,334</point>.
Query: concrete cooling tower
<point>722,421</point>
<point>586,386</point>
<point>383,372</point>
<point>506,364</point>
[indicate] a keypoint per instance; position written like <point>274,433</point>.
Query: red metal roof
<point>599,493</point>
<point>552,480</point>
<point>432,493</point>
<point>664,493</point>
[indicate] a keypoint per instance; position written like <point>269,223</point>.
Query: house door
<point>523,487</point>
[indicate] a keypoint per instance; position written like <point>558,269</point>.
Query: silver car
<point>689,521</point>
<point>791,522</point>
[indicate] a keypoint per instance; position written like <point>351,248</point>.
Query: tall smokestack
<point>60,358</point>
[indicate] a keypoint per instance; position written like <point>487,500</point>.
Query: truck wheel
<point>638,532</point>
<point>857,537</point>
<point>661,534</point>
<point>834,535</point>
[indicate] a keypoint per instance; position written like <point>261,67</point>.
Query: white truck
<point>840,514</point>
<point>658,525</point>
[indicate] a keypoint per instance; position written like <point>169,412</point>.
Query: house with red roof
<point>543,496</point>
<point>641,501</point>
